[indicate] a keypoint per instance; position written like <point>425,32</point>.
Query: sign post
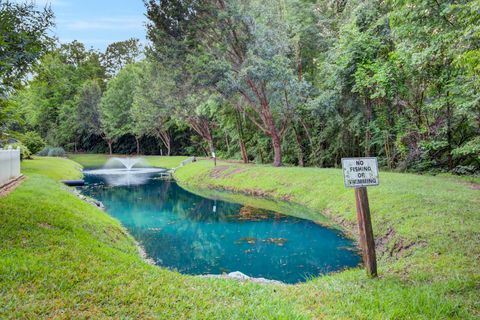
<point>359,173</point>
<point>214,158</point>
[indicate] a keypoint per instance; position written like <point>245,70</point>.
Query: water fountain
<point>127,162</point>
<point>125,171</point>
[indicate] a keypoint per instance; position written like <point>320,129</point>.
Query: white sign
<point>213,154</point>
<point>360,172</point>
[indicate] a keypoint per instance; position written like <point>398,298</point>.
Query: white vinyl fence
<point>9,164</point>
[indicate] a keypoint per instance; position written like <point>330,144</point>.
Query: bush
<point>24,152</point>
<point>44,152</point>
<point>52,152</point>
<point>57,152</point>
<point>33,141</point>
<point>465,170</point>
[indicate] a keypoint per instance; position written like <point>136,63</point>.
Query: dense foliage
<point>23,40</point>
<point>292,81</point>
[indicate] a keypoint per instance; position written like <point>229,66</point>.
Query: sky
<point>97,23</point>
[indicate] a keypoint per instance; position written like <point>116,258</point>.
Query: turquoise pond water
<point>195,235</point>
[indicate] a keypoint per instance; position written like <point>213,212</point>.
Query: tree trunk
<point>109,146</point>
<point>165,137</point>
<point>138,145</point>
<point>275,136</point>
<point>260,153</point>
<point>238,125</point>
<point>243,150</point>
<point>267,124</point>
<point>201,126</point>
<point>277,150</point>
<point>210,144</point>
<point>205,150</point>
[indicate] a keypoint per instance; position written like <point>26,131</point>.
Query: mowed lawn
<point>63,258</point>
<point>427,231</point>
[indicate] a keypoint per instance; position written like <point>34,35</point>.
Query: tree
<point>50,102</point>
<point>247,48</point>
<point>196,111</point>
<point>173,32</point>
<point>49,98</point>
<point>302,82</point>
<point>119,54</point>
<point>88,110</point>
<point>264,74</point>
<point>23,40</point>
<point>234,127</point>
<point>436,38</point>
<point>116,104</point>
<point>152,109</point>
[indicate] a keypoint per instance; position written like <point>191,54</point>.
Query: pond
<point>196,235</point>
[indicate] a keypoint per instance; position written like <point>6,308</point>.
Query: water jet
<point>125,171</point>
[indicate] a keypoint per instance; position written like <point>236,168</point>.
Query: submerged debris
<point>253,214</point>
<point>248,240</point>
<point>278,241</point>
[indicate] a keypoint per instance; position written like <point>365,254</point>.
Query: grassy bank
<point>63,258</point>
<point>426,229</point>
<point>98,160</point>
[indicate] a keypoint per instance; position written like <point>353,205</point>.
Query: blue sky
<point>97,23</point>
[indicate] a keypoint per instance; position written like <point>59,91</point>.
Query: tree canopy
<point>298,82</point>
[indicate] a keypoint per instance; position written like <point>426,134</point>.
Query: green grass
<point>63,258</point>
<point>98,160</point>
<point>54,168</point>
<point>427,228</point>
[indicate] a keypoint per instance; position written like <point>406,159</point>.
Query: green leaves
<point>23,40</point>
<point>305,81</point>
<point>152,107</point>
<point>119,54</point>
<point>116,103</point>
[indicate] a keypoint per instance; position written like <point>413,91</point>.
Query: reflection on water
<point>124,177</point>
<point>196,235</point>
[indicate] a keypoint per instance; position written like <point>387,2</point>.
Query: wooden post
<point>367,242</point>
